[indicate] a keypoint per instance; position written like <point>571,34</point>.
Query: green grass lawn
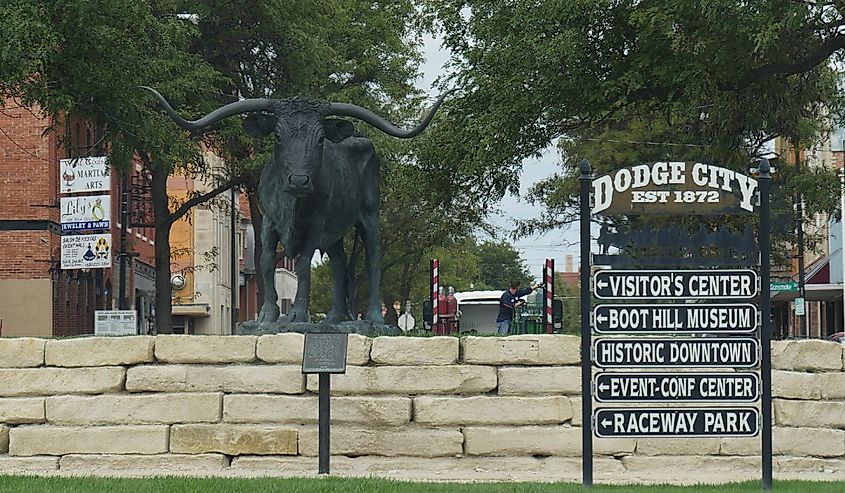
<point>24,484</point>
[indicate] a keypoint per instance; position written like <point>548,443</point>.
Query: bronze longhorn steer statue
<point>322,179</point>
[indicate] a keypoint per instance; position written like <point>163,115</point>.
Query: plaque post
<point>324,420</point>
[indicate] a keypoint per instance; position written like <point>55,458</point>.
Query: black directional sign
<point>675,318</point>
<point>677,387</point>
<point>677,422</point>
<point>701,352</point>
<point>739,284</point>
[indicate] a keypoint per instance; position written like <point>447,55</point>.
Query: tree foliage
<point>714,79</point>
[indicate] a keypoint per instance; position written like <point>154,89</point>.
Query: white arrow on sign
<point>606,422</point>
<point>603,387</point>
<point>601,319</point>
<point>602,284</point>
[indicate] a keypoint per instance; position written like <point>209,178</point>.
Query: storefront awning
<point>192,310</point>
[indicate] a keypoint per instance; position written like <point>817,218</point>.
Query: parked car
<point>837,337</point>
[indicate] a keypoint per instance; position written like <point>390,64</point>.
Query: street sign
<point>86,251</point>
<point>115,322</point>
<point>799,307</point>
<point>677,422</point>
<point>85,212</point>
<point>704,352</point>
<point>676,284</point>
<point>324,353</point>
<point>783,286</point>
<point>676,387</point>
<point>675,318</point>
<point>84,174</point>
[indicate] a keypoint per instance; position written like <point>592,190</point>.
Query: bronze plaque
<point>324,353</point>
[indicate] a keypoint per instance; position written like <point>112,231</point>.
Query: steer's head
<point>299,127</point>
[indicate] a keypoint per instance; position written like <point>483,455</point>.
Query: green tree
<point>718,78</point>
<point>501,264</point>
<point>86,59</point>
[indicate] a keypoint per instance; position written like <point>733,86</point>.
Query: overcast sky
<point>534,250</point>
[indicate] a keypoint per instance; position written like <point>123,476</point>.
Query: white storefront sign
<point>86,251</point>
<point>84,174</point>
<point>86,212</point>
<point>115,322</point>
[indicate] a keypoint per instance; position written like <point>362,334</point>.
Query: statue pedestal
<point>363,327</point>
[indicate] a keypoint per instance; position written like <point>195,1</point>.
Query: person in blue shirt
<point>509,301</point>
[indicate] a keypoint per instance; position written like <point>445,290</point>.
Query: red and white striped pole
<point>548,292</point>
<point>435,287</point>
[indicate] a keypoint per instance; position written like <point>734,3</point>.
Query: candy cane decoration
<point>548,291</point>
<point>435,286</point>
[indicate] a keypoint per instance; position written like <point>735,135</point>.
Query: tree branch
<point>819,55</point>
<point>199,199</point>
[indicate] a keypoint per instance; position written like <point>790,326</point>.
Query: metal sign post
<point>766,330</point>
<point>586,363</point>
<point>324,354</point>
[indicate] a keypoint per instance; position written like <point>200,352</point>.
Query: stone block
<point>576,411</point>
<point>23,465</point>
<point>160,465</point>
<point>515,380</point>
<point>22,410</point>
<point>281,348</point>
<point>740,446</point>
<point>808,442</point>
<point>438,469</point>
<point>287,349</point>
<point>808,355</point>
<point>492,410</point>
<point>63,440</point>
<point>51,381</point>
<point>135,409</point>
<point>100,351</point>
<point>233,439</point>
<point>411,441</point>
<point>786,465</point>
<point>452,379</point>
<point>677,446</point>
<point>540,349</point>
<point>537,440</point>
<point>21,352</point>
<point>811,414</point>
<point>796,385</point>
<point>699,468</point>
<point>4,439</point>
<point>205,349</point>
<point>421,351</point>
<point>375,411</point>
<point>203,378</point>
<point>832,385</point>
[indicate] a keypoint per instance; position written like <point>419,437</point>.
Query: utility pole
<point>233,277</point>
<point>799,213</point>
<point>124,226</point>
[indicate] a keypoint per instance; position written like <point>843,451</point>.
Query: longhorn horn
<point>242,106</point>
<point>365,115</point>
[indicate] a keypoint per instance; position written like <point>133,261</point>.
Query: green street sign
<point>784,286</point>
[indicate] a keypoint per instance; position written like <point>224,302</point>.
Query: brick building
<point>37,296</point>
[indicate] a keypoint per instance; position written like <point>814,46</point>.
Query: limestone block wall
<point>435,408</point>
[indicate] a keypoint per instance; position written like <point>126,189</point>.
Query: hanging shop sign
<point>676,284</point>
<point>86,251</point>
<point>702,352</point>
<point>677,422</point>
<point>85,212</point>
<point>84,174</point>
<point>677,318</point>
<point>677,387</point>
<point>667,188</point>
